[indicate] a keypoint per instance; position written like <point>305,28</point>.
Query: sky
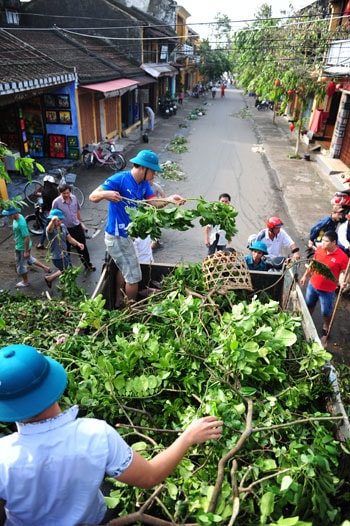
<point>205,11</point>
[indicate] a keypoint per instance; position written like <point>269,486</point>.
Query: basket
<point>226,270</point>
<point>70,178</point>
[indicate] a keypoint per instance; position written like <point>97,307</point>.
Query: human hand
<point>80,246</point>
<point>302,281</point>
<point>115,197</point>
<point>176,199</point>
<point>203,429</point>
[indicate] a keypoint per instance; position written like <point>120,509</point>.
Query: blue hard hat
<point>56,212</point>
<point>259,245</point>
<point>11,211</point>
<point>148,159</point>
<point>29,382</point>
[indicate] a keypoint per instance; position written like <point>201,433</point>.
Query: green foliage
<point>215,59</point>
<point>178,145</point>
<point>25,165</point>
<point>148,220</point>
<point>68,286</point>
<point>172,171</point>
<point>183,355</point>
<point>274,58</point>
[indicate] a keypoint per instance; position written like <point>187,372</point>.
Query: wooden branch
<point>143,518</point>
<point>223,461</point>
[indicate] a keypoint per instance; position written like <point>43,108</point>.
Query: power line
<point>297,19</point>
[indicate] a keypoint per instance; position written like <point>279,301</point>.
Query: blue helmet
<point>148,159</point>
<point>259,245</point>
<point>29,382</point>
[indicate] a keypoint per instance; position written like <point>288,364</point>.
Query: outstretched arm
<point>161,203</point>
<point>100,193</point>
<point>145,474</point>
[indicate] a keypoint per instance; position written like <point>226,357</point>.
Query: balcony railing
<point>338,58</point>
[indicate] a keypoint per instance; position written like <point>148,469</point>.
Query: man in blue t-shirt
<point>118,189</point>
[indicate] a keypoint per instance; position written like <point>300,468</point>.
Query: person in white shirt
<point>150,114</point>
<point>215,236</point>
<point>52,468</point>
<point>276,238</point>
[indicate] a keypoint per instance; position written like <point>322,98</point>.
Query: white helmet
<point>49,179</point>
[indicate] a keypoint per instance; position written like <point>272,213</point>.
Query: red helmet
<point>274,222</point>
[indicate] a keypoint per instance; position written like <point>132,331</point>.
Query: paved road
<point>223,156</point>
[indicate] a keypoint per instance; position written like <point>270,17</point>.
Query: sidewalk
<point>306,186</point>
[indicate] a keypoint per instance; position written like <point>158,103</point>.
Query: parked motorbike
<point>264,105</point>
<point>342,198</point>
<point>36,222</point>
<point>105,153</point>
<point>167,108</point>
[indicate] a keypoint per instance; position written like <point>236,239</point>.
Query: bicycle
<point>37,222</point>
<point>32,189</point>
<point>105,153</point>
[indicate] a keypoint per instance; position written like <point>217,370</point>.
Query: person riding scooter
<point>276,238</point>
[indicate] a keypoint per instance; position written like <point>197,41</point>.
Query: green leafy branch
<point>147,220</point>
<point>321,268</point>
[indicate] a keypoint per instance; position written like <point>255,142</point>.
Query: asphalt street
<point>231,148</point>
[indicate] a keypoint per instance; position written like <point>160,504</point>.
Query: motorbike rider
<point>276,238</point>
<point>330,222</point>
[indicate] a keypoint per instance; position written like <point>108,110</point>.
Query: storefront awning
<point>337,71</point>
<point>159,70</point>
<point>113,88</point>
<point>143,80</point>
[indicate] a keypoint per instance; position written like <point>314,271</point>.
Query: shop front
<point>42,125</point>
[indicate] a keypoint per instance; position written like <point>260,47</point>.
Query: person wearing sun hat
<point>122,190</point>
<point>58,236</point>
<point>255,260</point>
<point>52,467</point>
<point>23,245</point>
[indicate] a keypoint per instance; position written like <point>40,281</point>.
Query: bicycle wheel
<point>78,194</point>
<point>31,191</point>
<point>116,162</point>
<point>123,159</point>
<point>88,159</point>
<point>34,225</point>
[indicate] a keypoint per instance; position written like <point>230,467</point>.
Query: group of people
<point>329,238</point>
<point>269,241</point>
<point>63,230</point>
<point>35,483</point>
<point>329,242</point>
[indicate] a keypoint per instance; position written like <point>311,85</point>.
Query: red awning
<point>112,88</point>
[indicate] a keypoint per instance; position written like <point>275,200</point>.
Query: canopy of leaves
<point>215,55</point>
<point>273,56</point>
<point>184,353</point>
